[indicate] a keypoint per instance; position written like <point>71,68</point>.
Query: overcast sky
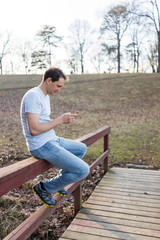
<point>24,18</point>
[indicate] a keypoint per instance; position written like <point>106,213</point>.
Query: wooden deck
<point>125,205</point>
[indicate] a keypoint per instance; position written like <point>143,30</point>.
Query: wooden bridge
<point>125,205</point>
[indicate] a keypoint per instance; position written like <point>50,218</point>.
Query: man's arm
<point>35,127</point>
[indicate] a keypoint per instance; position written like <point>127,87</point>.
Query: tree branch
<point>158,13</point>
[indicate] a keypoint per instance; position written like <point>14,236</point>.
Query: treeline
<point>128,39</point>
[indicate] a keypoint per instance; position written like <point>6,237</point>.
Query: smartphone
<point>77,112</point>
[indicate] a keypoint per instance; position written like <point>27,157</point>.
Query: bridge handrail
<point>18,173</point>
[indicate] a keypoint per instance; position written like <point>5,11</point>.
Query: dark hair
<point>54,73</point>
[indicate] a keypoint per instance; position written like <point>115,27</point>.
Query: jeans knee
<point>85,171</point>
<point>83,149</point>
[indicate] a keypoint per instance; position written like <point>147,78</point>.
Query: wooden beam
<point>77,193</point>
<point>94,136</point>
<point>18,173</point>
<point>106,143</point>
<point>99,160</point>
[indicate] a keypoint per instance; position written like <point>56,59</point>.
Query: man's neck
<point>43,88</point>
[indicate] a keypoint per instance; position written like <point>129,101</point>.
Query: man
<point>42,141</point>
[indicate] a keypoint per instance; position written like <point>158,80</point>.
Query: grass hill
<point>129,103</point>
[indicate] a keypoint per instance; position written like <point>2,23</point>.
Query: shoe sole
<point>42,200</point>
<point>62,195</point>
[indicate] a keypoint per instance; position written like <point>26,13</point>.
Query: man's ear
<point>48,80</point>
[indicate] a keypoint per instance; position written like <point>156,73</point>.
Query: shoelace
<point>50,196</point>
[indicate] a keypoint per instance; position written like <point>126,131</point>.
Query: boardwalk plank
<point>124,196</point>
<point>142,194</point>
<point>117,234</point>
<point>130,202</point>
<point>123,210</point>
<point>120,215</point>
<point>133,187</point>
<point>132,180</point>
<point>83,236</point>
<point>131,190</point>
<point>125,205</point>
<point>116,227</point>
<point>120,221</point>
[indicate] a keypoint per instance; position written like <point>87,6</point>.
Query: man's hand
<point>68,118</point>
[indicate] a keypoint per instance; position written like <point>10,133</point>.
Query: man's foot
<point>46,197</point>
<point>63,192</point>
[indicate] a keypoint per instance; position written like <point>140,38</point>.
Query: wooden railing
<point>16,174</point>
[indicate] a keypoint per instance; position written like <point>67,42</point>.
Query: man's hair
<point>54,73</point>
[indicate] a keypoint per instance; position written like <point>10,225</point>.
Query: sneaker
<point>46,197</point>
<point>63,192</point>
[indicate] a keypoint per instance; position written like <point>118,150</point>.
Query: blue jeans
<point>64,154</point>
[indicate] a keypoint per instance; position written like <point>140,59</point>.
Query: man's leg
<point>73,167</point>
<point>77,148</point>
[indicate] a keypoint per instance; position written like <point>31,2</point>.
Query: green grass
<point>138,143</point>
<point>128,103</point>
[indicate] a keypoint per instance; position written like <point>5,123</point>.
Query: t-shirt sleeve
<point>32,103</point>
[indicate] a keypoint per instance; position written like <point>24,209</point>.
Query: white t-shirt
<point>35,101</point>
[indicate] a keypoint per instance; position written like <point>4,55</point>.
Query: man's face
<point>54,87</point>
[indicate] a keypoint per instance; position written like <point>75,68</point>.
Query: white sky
<point>25,18</point>
<point>22,19</point>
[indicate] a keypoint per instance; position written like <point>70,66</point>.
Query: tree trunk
<point>153,69</point>
<point>50,60</point>
<point>82,66</point>
<point>135,61</point>
<point>1,66</point>
<point>158,69</point>
<point>138,53</point>
<point>119,56</point>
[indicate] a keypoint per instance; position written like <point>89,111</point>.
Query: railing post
<point>77,199</point>
<point>106,139</point>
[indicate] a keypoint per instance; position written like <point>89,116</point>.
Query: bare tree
<point>72,62</point>
<point>116,21</point>
<point>150,9</point>
<point>134,48</point>
<point>97,60</point>
<point>152,56</point>
<point>80,40</point>
<point>110,52</point>
<point>3,51</point>
<point>49,38</point>
<point>26,55</point>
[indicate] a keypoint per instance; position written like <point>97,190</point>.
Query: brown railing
<point>16,174</point>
